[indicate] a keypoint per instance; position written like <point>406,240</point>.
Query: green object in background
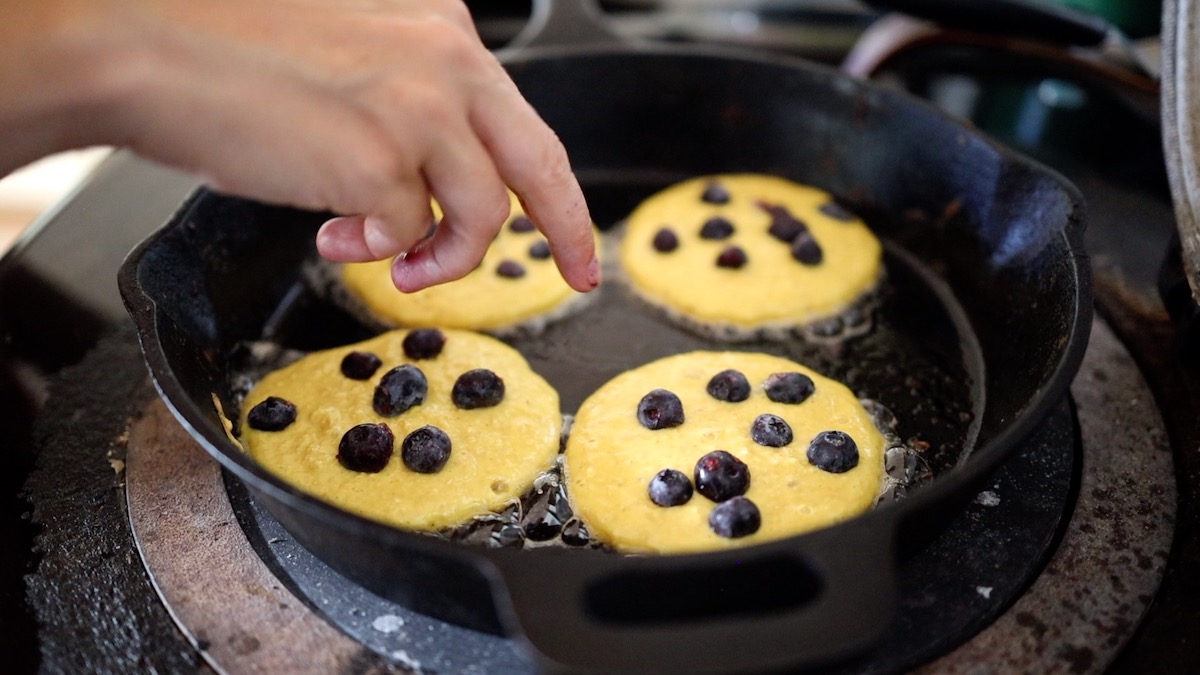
<point>1135,18</point>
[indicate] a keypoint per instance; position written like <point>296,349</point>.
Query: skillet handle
<point>564,22</point>
<point>808,601</point>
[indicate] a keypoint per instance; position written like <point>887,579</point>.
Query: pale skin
<point>367,108</point>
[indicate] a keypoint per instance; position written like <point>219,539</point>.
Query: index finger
<point>534,164</point>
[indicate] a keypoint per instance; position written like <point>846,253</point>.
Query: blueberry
<point>540,250</point>
<point>771,430</point>
<point>784,226</point>
<point>716,228</point>
<point>720,476</point>
<point>426,450</point>
<point>789,387</point>
<point>715,193</point>
<point>735,518</point>
<point>730,386</point>
<point>479,388</point>
<point>521,224</point>
<point>399,389</point>
<point>837,211</point>
<point>660,409</point>
<point>806,250</point>
<point>833,451</point>
<point>510,269</point>
<point>360,365</point>
<point>424,343</point>
<point>670,487</point>
<point>366,448</point>
<point>273,414</point>
<point>665,240</point>
<point>732,257</point>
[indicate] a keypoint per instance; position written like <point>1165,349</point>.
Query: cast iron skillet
<point>994,239</point>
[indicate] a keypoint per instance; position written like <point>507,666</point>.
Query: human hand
<point>366,108</point>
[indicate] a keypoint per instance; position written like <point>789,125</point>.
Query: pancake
<point>747,256</point>
<point>501,436</point>
<point>617,467</point>
<point>516,289</point>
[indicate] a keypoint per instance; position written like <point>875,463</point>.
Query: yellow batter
<point>611,457</point>
<point>482,300</point>
<point>772,289</point>
<point>496,451</point>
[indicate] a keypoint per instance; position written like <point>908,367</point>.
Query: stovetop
<point>75,590</point>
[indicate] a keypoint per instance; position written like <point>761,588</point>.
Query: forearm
<point>60,72</point>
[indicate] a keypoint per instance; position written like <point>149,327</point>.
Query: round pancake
<point>772,289</point>
<point>611,457</point>
<point>486,299</point>
<point>496,452</point>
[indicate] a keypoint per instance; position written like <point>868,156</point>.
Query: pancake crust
<point>482,300</point>
<point>497,452</point>
<point>772,290</point>
<point>610,457</point>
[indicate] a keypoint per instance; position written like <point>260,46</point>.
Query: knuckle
<point>544,162</point>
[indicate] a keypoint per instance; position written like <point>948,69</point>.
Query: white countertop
<point>32,190</point>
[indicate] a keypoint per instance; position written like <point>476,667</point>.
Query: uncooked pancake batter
<point>710,450</point>
<point>747,252</point>
<point>470,424</point>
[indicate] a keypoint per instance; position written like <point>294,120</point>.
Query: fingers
<point>365,238</point>
<point>474,204</point>
<point>533,162</point>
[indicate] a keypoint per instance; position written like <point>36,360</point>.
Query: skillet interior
<point>1002,233</point>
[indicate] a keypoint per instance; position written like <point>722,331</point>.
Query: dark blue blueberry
<point>426,450</point>
<point>665,240</point>
<point>716,228</point>
<point>771,430</point>
<point>660,409</point>
<point>737,517</point>
<point>784,226</point>
<point>521,224</point>
<point>806,250</point>
<point>366,448</point>
<point>540,250</point>
<point>273,414</point>
<point>424,343</point>
<point>837,211</point>
<point>670,487</point>
<point>733,257</point>
<point>360,365</point>
<point>715,193</point>
<point>399,389</point>
<point>789,387</point>
<point>833,451</point>
<point>720,476</point>
<point>730,386</point>
<point>479,388</point>
<point>510,269</point>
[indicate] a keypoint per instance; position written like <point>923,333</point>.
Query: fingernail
<point>593,273</point>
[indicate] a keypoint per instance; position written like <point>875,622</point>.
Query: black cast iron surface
<point>1004,234</point>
